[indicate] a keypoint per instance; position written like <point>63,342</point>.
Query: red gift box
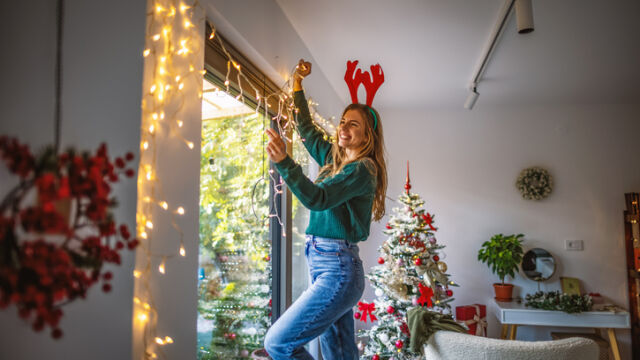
<point>475,317</point>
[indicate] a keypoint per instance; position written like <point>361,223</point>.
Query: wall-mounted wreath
<point>534,183</point>
<point>57,230</point>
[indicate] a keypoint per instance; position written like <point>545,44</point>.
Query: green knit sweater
<point>340,205</point>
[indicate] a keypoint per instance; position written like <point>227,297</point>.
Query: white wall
<point>101,103</point>
<point>464,165</point>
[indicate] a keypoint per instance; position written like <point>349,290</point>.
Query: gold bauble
<point>442,266</point>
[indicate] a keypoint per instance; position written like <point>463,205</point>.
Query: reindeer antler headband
<point>354,78</point>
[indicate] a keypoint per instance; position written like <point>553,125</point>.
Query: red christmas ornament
<point>390,310</point>
<point>407,186</point>
<point>375,357</point>
<point>380,260</point>
<point>449,293</point>
<point>232,336</point>
<point>388,226</point>
<point>418,261</point>
<point>357,315</point>
<point>436,258</point>
<point>399,344</point>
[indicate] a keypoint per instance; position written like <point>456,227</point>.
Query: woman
<point>350,187</point>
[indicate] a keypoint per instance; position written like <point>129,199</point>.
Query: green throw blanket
<point>423,323</point>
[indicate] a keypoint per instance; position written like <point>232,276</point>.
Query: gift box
<point>475,317</point>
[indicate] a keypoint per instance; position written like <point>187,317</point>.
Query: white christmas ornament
<point>379,292</point>
<point>383,337</point>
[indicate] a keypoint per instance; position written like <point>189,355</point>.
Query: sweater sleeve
<point>314,141</point>
<point>354,180</point>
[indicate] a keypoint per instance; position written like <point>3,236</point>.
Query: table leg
<point>503,333</point>
<point>597,332</point>
<point>514,329</point>
<point>614,344</point>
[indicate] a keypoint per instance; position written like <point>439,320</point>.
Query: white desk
<point>514,315</point>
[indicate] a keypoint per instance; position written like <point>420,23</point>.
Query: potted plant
<point>502,254</point>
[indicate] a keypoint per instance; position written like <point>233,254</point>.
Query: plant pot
<point>503,291</point>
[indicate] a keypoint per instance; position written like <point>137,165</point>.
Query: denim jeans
<point>324,309</point>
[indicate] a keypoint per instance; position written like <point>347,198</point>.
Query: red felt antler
<point>354,78</point>
<point>372,86</point>
<point>353,81</point>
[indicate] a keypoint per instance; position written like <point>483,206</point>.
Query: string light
<point>161,267</point>
<point>173,48</point>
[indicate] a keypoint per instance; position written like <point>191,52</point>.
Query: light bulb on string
<point>161,267</point>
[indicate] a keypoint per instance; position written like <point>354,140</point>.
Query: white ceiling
<point>581,52</point>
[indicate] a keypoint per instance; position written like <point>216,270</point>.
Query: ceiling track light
<point>524,17</point>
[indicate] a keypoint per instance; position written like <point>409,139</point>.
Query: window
<point>245,264</point>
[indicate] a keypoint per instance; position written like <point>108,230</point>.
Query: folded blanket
<point>423,323</point>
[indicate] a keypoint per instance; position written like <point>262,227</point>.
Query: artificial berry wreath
<point>57,230</point>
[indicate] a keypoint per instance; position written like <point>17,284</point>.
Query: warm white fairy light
<point>172,53</point>
<point>180,210</point>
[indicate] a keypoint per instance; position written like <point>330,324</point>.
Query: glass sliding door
<point>235,264</point>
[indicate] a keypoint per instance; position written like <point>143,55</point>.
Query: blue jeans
<point>325,309</point>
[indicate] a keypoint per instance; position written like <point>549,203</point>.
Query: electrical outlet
<point>573,245</point>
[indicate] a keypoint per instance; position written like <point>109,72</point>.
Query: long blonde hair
<point>373,150</point>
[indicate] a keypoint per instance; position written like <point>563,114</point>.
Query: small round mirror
<point>538,264</point>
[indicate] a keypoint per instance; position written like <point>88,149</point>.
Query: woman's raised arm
<point>314,141</point>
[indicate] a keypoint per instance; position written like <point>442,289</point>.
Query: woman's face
<point>351,132</point>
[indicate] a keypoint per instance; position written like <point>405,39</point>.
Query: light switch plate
<point>575,245</point>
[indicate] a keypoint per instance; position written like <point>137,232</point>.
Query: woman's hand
<point>276,148</point>
<point>303,69</point>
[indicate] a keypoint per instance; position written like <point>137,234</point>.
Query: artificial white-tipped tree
<point>410,273</point>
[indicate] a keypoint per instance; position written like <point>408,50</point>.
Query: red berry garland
<point>38,275</point>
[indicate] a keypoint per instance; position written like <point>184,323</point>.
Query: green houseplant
<point>503,255</point>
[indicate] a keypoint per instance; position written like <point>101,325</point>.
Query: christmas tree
<point>410,273</point>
